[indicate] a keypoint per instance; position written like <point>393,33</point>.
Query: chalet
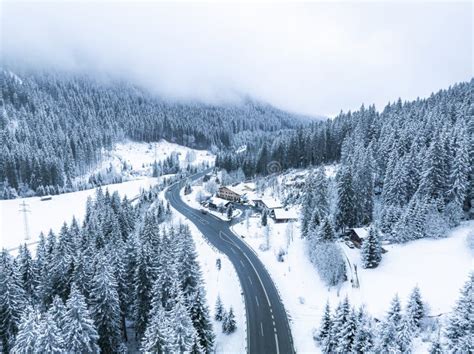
<point>357,236</point>
<point>229,193</point>
<point>216,203</point>
<point>267,204</point>
<point>281,215</point>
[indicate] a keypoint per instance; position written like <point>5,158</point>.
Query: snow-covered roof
<point>362,232</point>
<point>235,189</point>
<point>281,213</point>
<point>271,203</point>
<point>218,201</point>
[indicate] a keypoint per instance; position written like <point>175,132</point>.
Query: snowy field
<point>140,156</point>
<point>51,214</point>
<point>438,267</point>
<point>224,283</point>
<point>46,215</point>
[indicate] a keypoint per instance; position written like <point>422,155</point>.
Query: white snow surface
<point>439,267</point>
<point>140,156</point>
<point>46,215</point>
<point>51,214</point>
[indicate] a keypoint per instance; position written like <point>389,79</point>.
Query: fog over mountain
<point>312,58</point>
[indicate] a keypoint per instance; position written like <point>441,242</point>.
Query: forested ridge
<point>54,125</point>
<point>409,167</point>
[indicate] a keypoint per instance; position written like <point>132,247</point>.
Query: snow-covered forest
<point>236,178</point>
<point>126,279</point>
<point>55,125</point>
<point>407,168</point>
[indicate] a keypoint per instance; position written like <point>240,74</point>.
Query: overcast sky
<point>313,58</point>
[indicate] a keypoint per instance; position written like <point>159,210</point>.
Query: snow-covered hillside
<point>131,159</point>
<point>46,215</point>
<point>140,156</point>
<point>438,267</point>
<point>51,214</point>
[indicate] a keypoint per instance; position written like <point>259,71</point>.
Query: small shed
<point>357,236</point>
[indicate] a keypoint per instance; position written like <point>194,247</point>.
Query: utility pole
<point>24,209</point>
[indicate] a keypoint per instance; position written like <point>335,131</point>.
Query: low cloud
<point>313,58</point>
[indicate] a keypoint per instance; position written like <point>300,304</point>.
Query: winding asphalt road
<point>268,330</point>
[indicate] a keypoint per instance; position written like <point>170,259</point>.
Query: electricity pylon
<point>24,209</point>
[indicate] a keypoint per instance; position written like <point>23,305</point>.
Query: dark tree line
<point>124,265</point>
<point>54,125</point>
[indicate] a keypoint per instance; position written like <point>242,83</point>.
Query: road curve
<point>268,330</point>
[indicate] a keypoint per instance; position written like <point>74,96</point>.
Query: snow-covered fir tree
<point>105,305</point>
<point>346,203</point>
<point>79,330</point>
<point>460,328</point>
<point>325,325</point>
<point>219,309</point>
<point>415,308</point>
<point>371,250</point>
<point>228,323</point>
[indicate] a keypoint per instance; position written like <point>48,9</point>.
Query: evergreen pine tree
<point>405,334</point>
<point>460,325</point>
<point>158,332</point>
<point>57,310</point>
<point>143,282</point>
<point>436,347</point>
<point>25,341</point>
<point>391,326</point>
<point>183,331</point>
<point>415,308</point>
<point>105,306</point>
<point>371,250</point>
<point>347,332</point>
<point>264,219</point>
<point>433,182</point>
<point>325,232</point>
<point>80,334</point>
<point>202,323</point>
<point>346,208</point>
<point>27,270</point>
<point>50,338</point>
<point>364,337</point>
<point>326,324</point>
<point>341,317</point>
<point>12,301</point>
<point>228,324</point>
<point>219,309</point>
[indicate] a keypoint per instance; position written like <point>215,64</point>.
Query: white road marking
<point>276,342</point>
<point>250,280</point>
<point>242,263</point>
<point>261,328</point>
<point>260,280</point>
<point>256,300</point>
